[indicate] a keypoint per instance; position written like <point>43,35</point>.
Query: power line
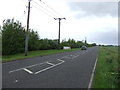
<point>53,15</point>
<point>51,8</point>
<point>42,11</point>
<point>45,9</point>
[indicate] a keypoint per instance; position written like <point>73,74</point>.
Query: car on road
<point>83,48</point>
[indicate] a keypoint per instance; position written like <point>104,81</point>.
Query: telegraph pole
<point>26,43</point>
<point>85,40</point>
<point>59,31</point>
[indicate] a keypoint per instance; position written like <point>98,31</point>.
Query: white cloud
<point>100,9</point>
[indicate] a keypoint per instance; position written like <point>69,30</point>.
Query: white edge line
<point>28,71</point>
<point>50,67</point>
<point>93,72</point>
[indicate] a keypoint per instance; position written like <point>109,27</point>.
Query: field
<point>106,74</point>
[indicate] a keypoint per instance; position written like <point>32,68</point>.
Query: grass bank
<point>106,75</point>
<point>6,58</point>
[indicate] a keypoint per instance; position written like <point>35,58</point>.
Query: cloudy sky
<point>95,20</point>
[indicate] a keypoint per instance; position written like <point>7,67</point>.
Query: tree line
<point>14,34</point>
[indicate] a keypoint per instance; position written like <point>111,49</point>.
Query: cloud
<point>110,37</point>
<point>100,9</point>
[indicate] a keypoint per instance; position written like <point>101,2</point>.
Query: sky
<point>97,20</point>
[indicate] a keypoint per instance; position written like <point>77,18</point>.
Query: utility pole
<point>59,31</point>
<point>26,43</point>
<point>85,40</point>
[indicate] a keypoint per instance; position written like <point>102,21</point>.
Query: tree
<point>72,43</point>
<point>64,43</point>
<point>79,44</point>
<point>53,44</point>
<point>13,37</point>
<point>33,43</point>
<point>44,44</point>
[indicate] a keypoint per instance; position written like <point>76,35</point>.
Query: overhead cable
<point>51,8</point>
<point>45,9</point>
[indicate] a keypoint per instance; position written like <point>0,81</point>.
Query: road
<point>64,70</point>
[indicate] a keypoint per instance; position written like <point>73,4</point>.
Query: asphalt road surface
<point>64,70</point>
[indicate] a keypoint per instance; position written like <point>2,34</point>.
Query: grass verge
<point>106,75</point>
<point>31,54</point>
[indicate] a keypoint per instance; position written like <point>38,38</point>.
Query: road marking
<point>16,70</point>
<point>30,72</point>
<point>66,57</point>
<point>50,63</point>
<point>60,60</point>
<point>25,67</point>
<point>70,56</point>
<point>50,67</point>
<point>44,69</point>
<point>75,56</point>
<point>91,79</point>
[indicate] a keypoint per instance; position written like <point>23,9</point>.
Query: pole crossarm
<point>59,18</point>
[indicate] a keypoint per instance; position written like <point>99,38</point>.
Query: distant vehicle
<point>65,47</point>
<point>83,48</point>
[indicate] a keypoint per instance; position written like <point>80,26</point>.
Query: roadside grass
<point>31,54</point>
<point>106,74</point>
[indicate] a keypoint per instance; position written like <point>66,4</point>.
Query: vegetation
<point>0,47</point>
<point>107,75</point>
<point>118,66</point>
<point>13,39</point>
